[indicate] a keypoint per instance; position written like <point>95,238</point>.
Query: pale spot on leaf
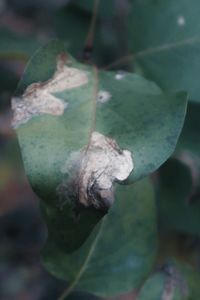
<point>120,75</point>
<point>103,96</point>
<point>181,21</point>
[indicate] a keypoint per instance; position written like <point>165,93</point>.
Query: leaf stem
<point>88,47</point>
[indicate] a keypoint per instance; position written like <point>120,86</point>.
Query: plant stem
<point>88,47</point>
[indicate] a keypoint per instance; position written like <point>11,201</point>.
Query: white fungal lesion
<point>38,98</point>
<point>181,21</point>
<point>99,165</point>
<point>120,75</point>
<point>103,96</point>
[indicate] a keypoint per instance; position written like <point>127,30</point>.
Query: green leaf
<point>164,38</point>
<point>176,207</point>
<point>123,246</point>
<point>141,118</point>
<point>176,281</point>
<point>153,287</point>
<point>56,128</point>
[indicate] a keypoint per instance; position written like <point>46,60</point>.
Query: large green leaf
<point>131,110</point>
<point>120,252</point>
<point>176,281</point>
<point>165,40</point>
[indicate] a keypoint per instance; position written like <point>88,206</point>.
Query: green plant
<point>89,138</point>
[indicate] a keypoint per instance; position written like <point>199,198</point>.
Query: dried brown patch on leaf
<point>39,97</point>
<point>97,167</point>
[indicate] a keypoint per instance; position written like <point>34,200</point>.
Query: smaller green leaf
<point>176,281</point>
<point>153,288</point>
<point>122,246</point>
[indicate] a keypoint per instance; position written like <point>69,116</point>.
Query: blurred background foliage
<point>27,25</point>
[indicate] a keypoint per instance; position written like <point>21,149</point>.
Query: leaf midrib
<point>94,101</point>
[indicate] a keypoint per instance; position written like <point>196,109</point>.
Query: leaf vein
<point>84,265</point>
